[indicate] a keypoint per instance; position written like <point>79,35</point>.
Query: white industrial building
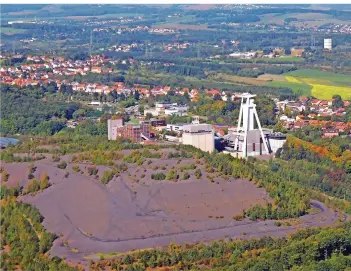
<point>153,111</point>
<point>177,110</point>
<point>200,136</point>
<point>276,141</point>
<point>247,55</point>
<point>112,127</point>
<point>177,127</point>
<point>247,140</point>
<point>171,109</point>
<point>328,44</point>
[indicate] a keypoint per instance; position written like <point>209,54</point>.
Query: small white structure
<point>276,141</point>
<point>153,111</point>
<point>196,120</point>
<point>200,136</point>
<point>179,110</point>
<point>112,128</point>
<point>177,127</point>
<point>328,44</point>
<point>246,126</point>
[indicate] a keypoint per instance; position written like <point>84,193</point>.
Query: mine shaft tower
<point>246,123</point>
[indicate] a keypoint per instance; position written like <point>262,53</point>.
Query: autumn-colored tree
<point>44,181</point>
<point>4,175</point>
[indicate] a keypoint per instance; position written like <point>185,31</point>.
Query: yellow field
<point>322,88</point>
<point>292,79</point>
<point>326,92</point>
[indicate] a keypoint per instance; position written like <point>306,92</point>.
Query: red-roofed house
<point>325,103</point>
<point>315,102</point>
<point>96,69</point>
<point>329,133</point>
<point>213,92</point>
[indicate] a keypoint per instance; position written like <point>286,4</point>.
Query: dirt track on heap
<point>126,215</point>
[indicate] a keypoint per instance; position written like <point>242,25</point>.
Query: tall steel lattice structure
<point>246,123</point>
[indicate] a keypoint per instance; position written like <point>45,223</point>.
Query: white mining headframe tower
<point>246,123</point>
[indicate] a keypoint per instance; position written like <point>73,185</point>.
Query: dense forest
<point>314,162</point>
<point>44,110</point>
<point>310,249</point>
<point>26,111</point>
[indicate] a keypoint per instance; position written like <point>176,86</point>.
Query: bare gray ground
<point>126,214</point>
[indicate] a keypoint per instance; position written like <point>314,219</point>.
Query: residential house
<point>96,69</point>
<point>329,133</point>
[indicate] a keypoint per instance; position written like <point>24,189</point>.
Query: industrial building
<point>171,109</point>
<point>155,122</point>
<point>112,127</point>
<point>135,132</point>
<point>276,141</point>
<point>177,110</point>
<point>200,136</point>
<point>177,127</point>
<point>328,44</point>
<point>247,140</point>
<point>253,146</point>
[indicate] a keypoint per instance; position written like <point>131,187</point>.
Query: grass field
<point>182,19</point>
<point>298,88</point>
<point>133,121</point>
<point>210,83</point>
<point>321,75</point>
<point>21,13</point>
<point>106,16</point>
<point>240,79</point>
<point>323,84</point>
<point>179,26</point>
<point>303,19</point>
<point>278,60</point>
<point>272,77</point>
<point>200,7</point>
<point>11,31</point>
<point>282,59</point>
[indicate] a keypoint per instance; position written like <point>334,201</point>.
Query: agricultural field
<point>9,31</point>
<point>277,60</point>
<point>326,92</point>
<point>313,19</point>
<point>299,88</point>
<point>105,16</point>
<point>323,84</point>
<point>240,79</point>
<point>285,59</point>
<point>175,19</point>
<point>200,7</point>
<point>179,26</point>
<point>272,77</point>
<point>333,78</point>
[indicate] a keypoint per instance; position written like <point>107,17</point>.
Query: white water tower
<point>328,44</point>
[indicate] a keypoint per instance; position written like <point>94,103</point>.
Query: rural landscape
<point>175,137</point>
